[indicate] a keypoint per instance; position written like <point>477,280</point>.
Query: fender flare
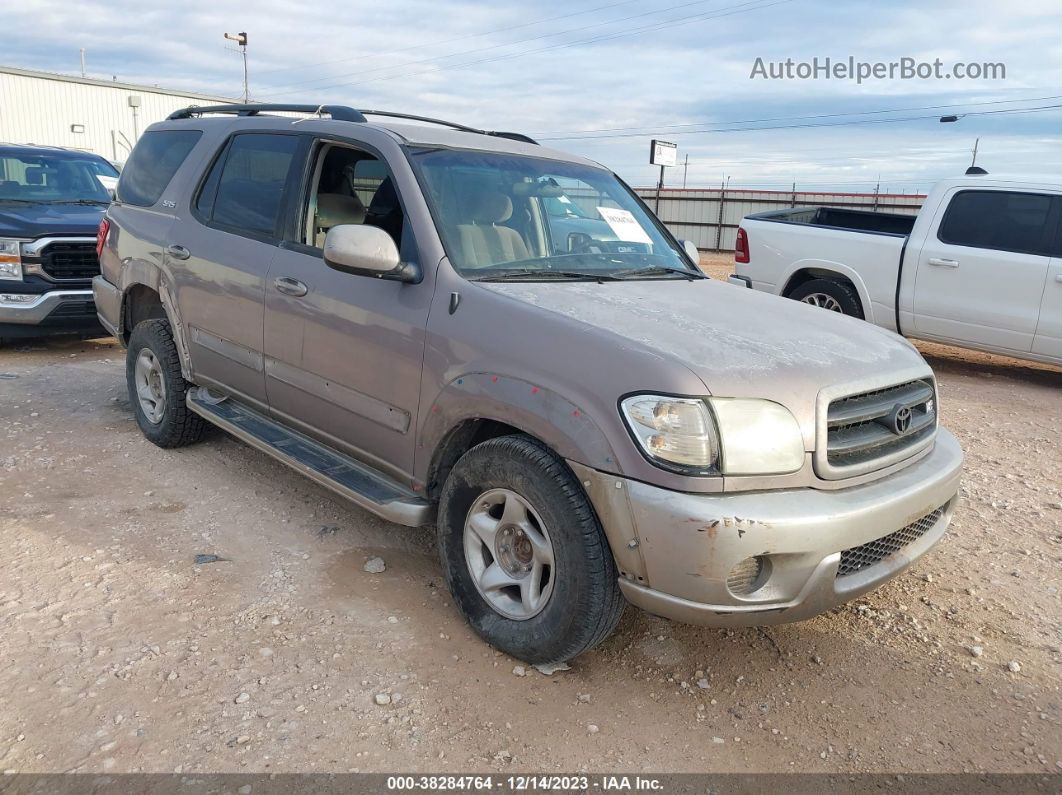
<point>536,410</point>
<point>146,274</point>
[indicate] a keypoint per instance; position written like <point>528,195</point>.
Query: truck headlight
<point>759,437</point>
<point>677,433</point>
<point>10,260</point>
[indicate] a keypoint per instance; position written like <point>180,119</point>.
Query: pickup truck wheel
<point>831,295</point>
<point>157,389</point>
<point>523,553</point>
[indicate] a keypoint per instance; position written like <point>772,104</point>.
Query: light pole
<point>241,39</point>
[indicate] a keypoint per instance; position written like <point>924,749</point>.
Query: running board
<point>357,482</point>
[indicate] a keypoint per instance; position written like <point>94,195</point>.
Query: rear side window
<point>244,190</point>
<point>154,160</point>
<point>1000,220</point>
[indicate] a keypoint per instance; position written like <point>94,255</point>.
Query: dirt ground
<point>119,653</point>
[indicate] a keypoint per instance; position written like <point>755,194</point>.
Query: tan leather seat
<point>334,209</point>
<point>483,242</point>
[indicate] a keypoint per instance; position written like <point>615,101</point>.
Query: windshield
<point>505,216</point>
<point>44,178</point>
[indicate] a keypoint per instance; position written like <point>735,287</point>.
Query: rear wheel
<point>523,553</point>
<point>830,295</point>
<point>157,389</point>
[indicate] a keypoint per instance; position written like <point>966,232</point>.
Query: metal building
<point>100,116</point>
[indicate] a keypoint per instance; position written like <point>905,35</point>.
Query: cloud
<point>576,72</point>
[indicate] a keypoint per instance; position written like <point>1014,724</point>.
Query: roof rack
<point>453,125</point>
<point>339,113</point>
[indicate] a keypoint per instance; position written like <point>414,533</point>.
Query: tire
<point>841,297</point>
<point>173,424</point>
<point>583,603</point>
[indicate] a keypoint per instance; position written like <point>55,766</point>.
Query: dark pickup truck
<point>51,203</point>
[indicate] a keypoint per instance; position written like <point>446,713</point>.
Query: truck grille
<point>872,429</point>
<point>70,260</point>
<point>872,552</point>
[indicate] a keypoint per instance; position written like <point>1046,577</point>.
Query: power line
<point>449,41</point>
<point>727,11</point>
<point>1040,109</point>
<point>791,118</point>
<point>497,46</point>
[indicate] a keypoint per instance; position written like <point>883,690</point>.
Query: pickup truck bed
<point>843,218</point>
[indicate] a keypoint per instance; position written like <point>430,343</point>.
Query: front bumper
<point>675,550</point>
<point>55,310</point>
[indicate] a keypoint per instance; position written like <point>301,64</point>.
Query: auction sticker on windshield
<point>625,225</point>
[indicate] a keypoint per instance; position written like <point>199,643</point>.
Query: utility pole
<point>241,39</point>
<point>82,61</point>
<point>719,221</point>
<point>685,169</point>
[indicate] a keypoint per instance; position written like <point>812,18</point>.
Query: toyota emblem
<point>901,420</point>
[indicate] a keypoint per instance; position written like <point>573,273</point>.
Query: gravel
<point>375,566</point>
<point>98,574</point>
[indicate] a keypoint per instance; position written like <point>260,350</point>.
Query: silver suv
<point>405,311</point>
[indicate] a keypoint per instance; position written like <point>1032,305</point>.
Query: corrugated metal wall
<point>710,218</point>
<point>41,108</point>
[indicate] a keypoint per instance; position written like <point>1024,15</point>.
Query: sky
<point>601,78</point>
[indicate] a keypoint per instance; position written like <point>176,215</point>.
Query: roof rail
<point>453,125</point>
<point>337,112</point>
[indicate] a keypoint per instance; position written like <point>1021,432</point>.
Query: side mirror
<point>691,251</point>
<point>366,251</point>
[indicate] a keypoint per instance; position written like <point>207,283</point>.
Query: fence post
<point>794,196</point>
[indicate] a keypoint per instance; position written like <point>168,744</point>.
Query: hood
<point>739,342</point>
<point>37,220</point>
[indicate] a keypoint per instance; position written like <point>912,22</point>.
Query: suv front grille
<point>872,552</point>
<point>70,260</point>
<point>865,428</point>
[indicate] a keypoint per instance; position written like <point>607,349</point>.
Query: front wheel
<point>831,295</point>
<point>524,554</point>
<point>157,389</point>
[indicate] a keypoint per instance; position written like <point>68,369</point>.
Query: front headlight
<point>10,260</point>
<point>758,437</point>
<point>676,432</point>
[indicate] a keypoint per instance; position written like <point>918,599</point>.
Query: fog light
<point>17,298</point>
<point>748,575</point>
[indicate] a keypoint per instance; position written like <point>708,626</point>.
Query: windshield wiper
<point>93,202</point>
<point>654,270</point>
<point>531,275</point>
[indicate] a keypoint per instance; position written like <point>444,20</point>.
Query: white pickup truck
<point>980,266</point>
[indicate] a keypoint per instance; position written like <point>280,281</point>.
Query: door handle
<point>1058,278</point>
<point>946,263</point>
<point>289,286</point>
<point>178,252</point>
